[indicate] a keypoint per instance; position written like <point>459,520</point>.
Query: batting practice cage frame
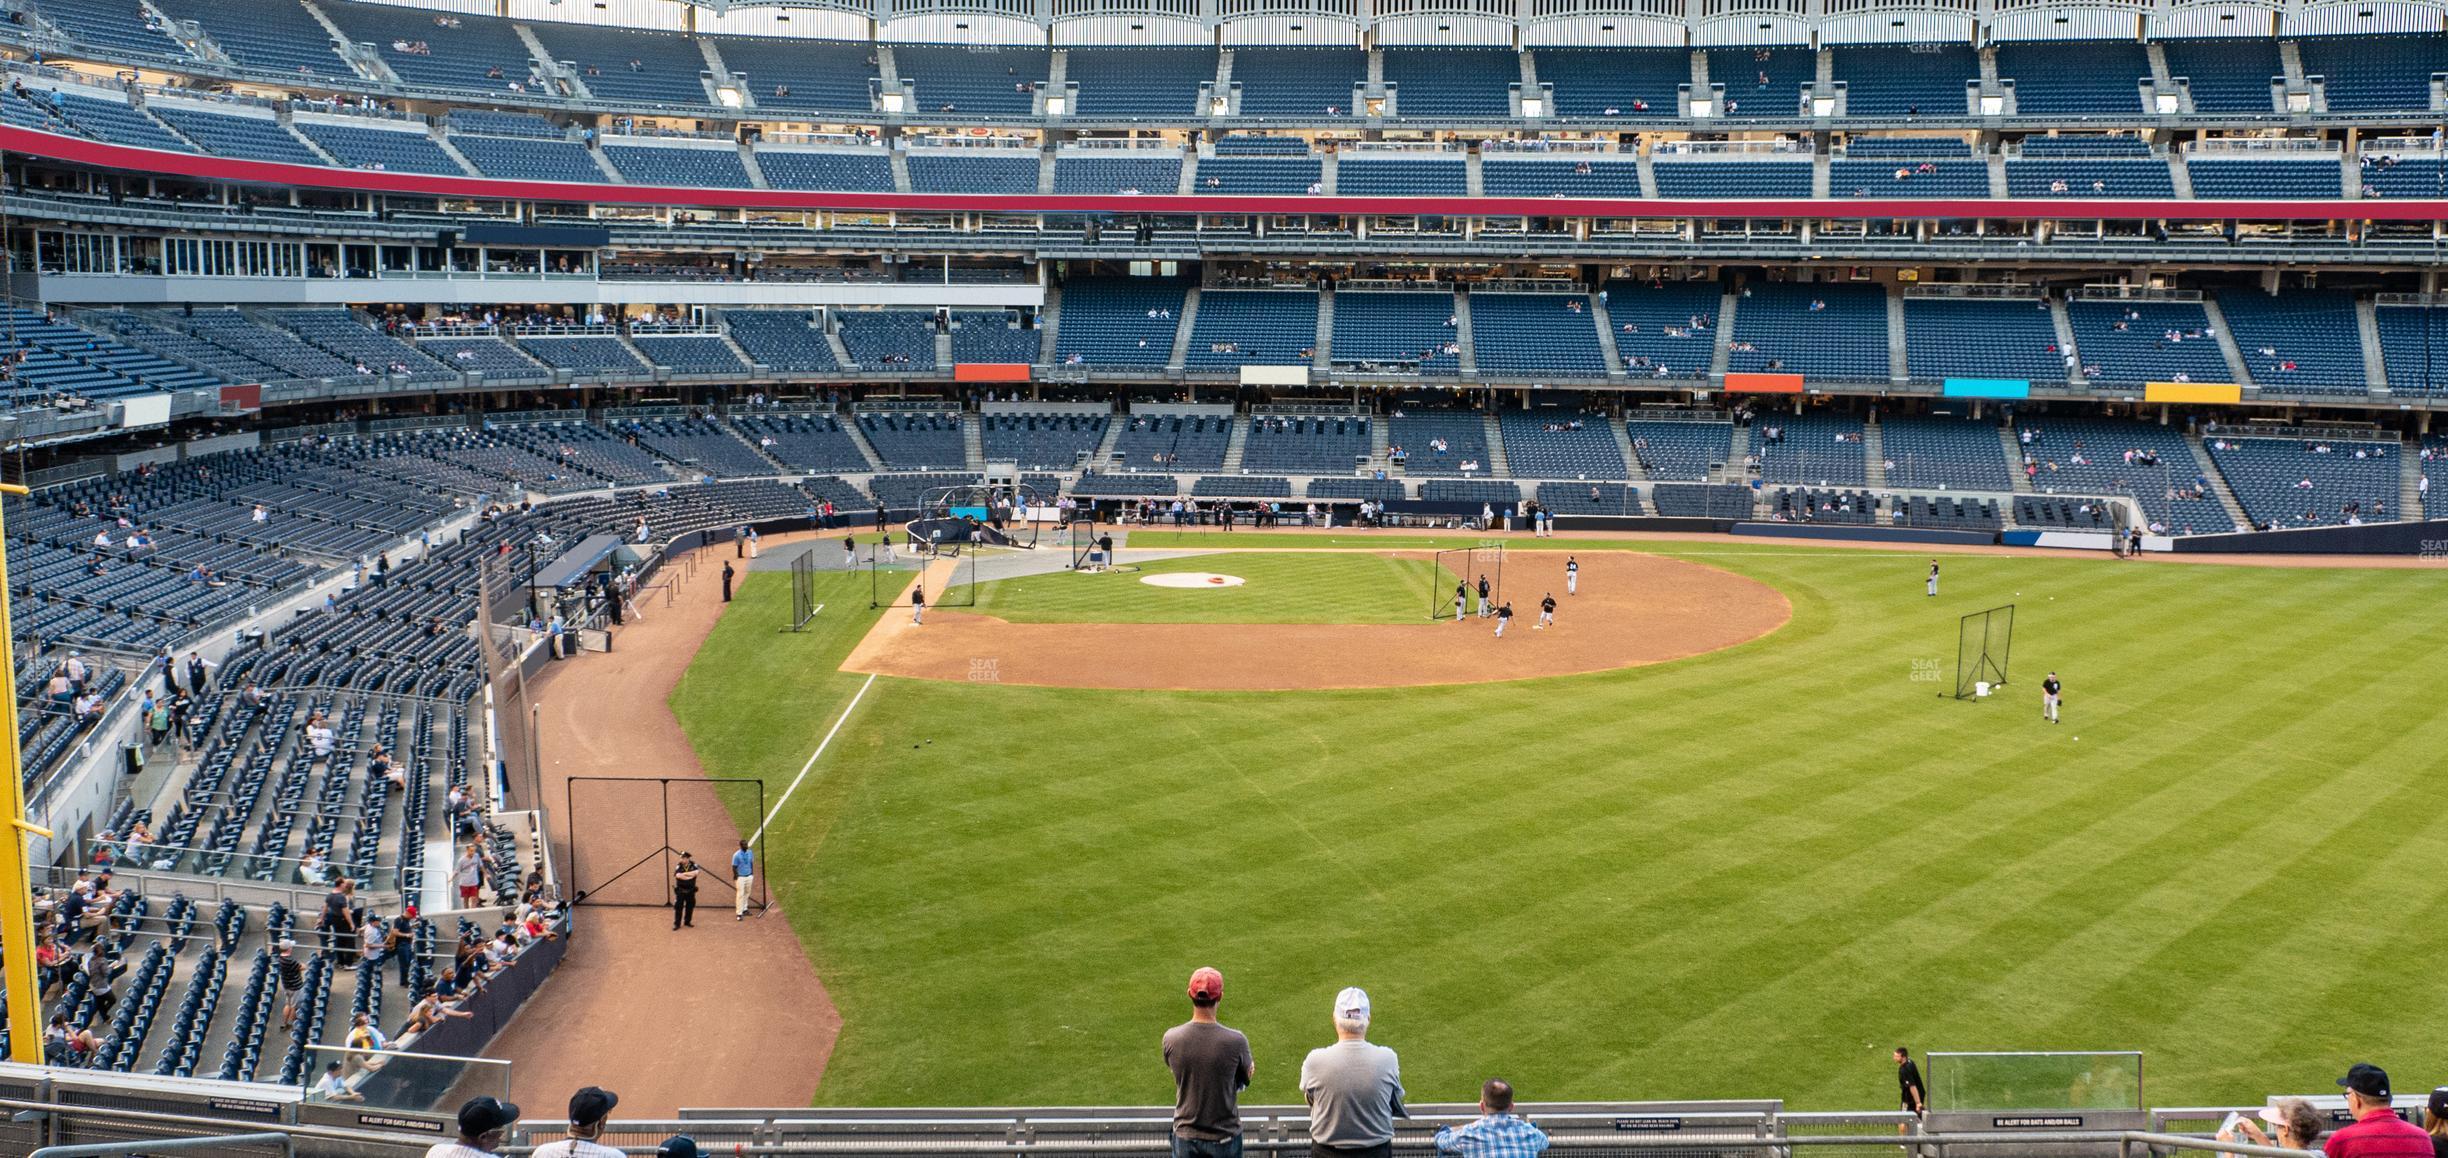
<point>639,825</point>
<point>1466,564</point>
<point>976,502</point>
<point>1982,641</point>
<point>803,589</point>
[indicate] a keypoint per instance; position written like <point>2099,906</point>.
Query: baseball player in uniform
<point>918,605</point>
<point>1546,612</point>
<point>1572,575</point>
<point>1461,600</point>
<point>1933,578</point>
<point>1485,608</point>
<point>1504,615</point>
<point>2048,698</point>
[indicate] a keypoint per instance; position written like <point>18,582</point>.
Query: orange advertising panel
<point>1763,383</point>
<point>991,372</point>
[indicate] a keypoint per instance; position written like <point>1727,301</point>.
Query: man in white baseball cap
<point>1353,1087</point>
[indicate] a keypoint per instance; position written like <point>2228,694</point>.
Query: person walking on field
<point>1485,608</point>
<point>918,605</point>
<point>1353,1087</point>
<point>727,581</point>
<point>1572,575</point>
<point>1461,601</point>
<point>1910,1088</point>
<point>1211,1065</point>
<point>1546,612</point>
<point>1933,578</point>
<point>1504,617</point>
<point>2049,691</point>
<point>743,873</point>
<point>684,892</point>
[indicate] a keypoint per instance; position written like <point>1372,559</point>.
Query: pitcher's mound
<point>1632,609</point>
<point>1191,579</point>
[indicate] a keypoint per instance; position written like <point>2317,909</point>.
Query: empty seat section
<point>1709,176</point>
<point>2313,177</point>
<point>784,340</point>
<point>1193,443</point>
<point>584,354</point>
<point>896,340</point>
<point>2300,342</point>
<point>2414,345</point>
<point>1543,334</point>
<point>2390,175</point>
<point>1611,82</point>
<point>912,440</point>
<point>271,35</point>
<point>1907,176</point>
<point>1295,173</point>
<point>2375,73</point>
<point>689,353</point>
<point>1594,498</point>
<point>1438,442</point>
<point>863,170</point>
<point>254,138</point>
<point>2292,483</point>
<point>1677,450</point>
<point>1664,330</point>
<point>1118,321</point>
<point>1905,80</point>
<point>811,442</point>
<point>109,120</point>
<point>1945,453</point>
<point>1402,177</point>
<point>627,66</point>
<point>1300,83</point>
<point>801,75</point>
<point>1238,328</point>
<point>120,28</point>
<point>1137,171</point>
<point>1041,441</point>
<point>973,171</point>
<point>2226,75</point>
<point>1821,448</point>
<point>428,49</point>
<point>1452,83</point>
<point>1396,327</point>
<point>2129,343</point>
<point>1982,338</point>
<point>977,81</point>
<point>1555,442</point>
<point>1139,84</point>
<point>386,149</point>
<point>994,336</point>
<point>1763,81</point>
<point>2089,456</point>
<point>2076,78</point>
<point>1305,443</point>
<point>1820,330</point>
<point>686,168</point>
<point>1594,176</point>
<point>529,159</point>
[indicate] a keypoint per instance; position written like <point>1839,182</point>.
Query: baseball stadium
<point>1762,578</point>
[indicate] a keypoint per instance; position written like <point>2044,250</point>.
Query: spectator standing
<point>482,1122</point>
<point>2377,1131</point>
<point>1211,1065</point>
<point>1353,1087</point>
<point>1910,1089</point>
<point>1497,1133</point>
<point>468,871</point>
<point>339,922</point>
<point>587,1110</point>
<point>743,875</point>
<point>292,977</point>
<point>684,892</point>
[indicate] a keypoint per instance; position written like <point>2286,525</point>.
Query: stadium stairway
<point>2014,455</point>
<point>841,353</point>
<point>1049,319</point>
<point>943,347</point>
<point>442,141</point>
<point>1606,329</point>
<point>1897,371</point>
<point>2409,482</point>
<point>1105,446</point>
<point>867,450</point>
<point>2367,328</point>
<point>1236,444</point>
<point>1180,357</point>
<point>1874,442</point>
<point>1623,442</point>
<point>1378,445</point>
<point>1467,362</point>
<point>1497,465</point>
<point>973,440</point>
<point>1723,353</point>
<point>2226,341</point>
<point>1738,449</point>
<point>748,161</point>
<point>899,162</point>
<point>1321,357</point>
<point>2065,342</point>
<point>2218,481</point>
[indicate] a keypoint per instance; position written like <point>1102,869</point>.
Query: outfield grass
<point>1277,588</point>
<point>1745,874</point>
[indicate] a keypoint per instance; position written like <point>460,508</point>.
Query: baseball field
<point>1749,847</point>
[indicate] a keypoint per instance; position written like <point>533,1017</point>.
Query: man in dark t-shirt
<point>1211,1065</point>
<point>1915,1096</point>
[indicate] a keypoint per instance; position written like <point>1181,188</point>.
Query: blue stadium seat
<point>2088,456</point>
<point>1297,83</point>
<point>1982,338</point>
<point>1820,448</point>
<point>274,36</point>
<point>858,170</point>
<point>2300,342</point>
<point>1424,176</point>
<point>2414,344</point>
<point>1041,441</point>
<point>1305,443</point>
<point>1452,83</point>
<point>796,75</point>
<point>1439,442</point>
<point>1238,328</point>
<point>2375,73</point>
<point>2226,75</point>
<point>921,441</point>
<point>999,81</point>
<point>679,166</point>
<point>1560,443</point>
<point>2076,79</point>
<point>653,69</point>
<point>1664,329</point>
<point>1763,80</point>
<point>1942,453</point>
<point>1889,81</point>
<point>1549,335</point>
<point>1140,84</point>
<point>1611,82</point>
<point>973,171</point>
<point>1109,171</point>
<point>462,52</point>
<point>229,135</point>
<point>892,340</point>
<point>1396,327</point>
<point>1598,175</point>
<point>2315,177</point>
<point>1193,444</point>
<point>1115,322</point>
<point>1819,330</point>
<point>397,150</point>
<point>1679,451</point>
<point>1706,176</point>
<point>785,340</point>
<point>2129,343</point>
<point>994,336</point>
<point>2291,483</point>
<point>529,158</point>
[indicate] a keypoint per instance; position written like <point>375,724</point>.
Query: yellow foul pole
<point>16,884</point>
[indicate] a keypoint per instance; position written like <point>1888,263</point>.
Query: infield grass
<point>1746,874</point>
<point>1281,587</point>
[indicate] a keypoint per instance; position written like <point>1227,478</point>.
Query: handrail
<point>288,1145</point>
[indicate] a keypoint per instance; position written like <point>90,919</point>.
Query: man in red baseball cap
<point>1211,1066</point>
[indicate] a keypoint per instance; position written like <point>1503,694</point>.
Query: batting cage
<point>1466,565</point>
<point>1982,641</point>
<point>803,589</point>
<point>627,834</point>
<point>949,577</point>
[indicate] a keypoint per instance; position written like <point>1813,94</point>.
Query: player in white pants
<point>1504,615</point>
<point>1572,575</point>
<point>1461,601</point>
<point>2049,689</point>
<point>1546,611</point>
<point>918,606</point>
<point>1933,577</point>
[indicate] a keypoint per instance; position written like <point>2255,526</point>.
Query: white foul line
<point>804,769</point>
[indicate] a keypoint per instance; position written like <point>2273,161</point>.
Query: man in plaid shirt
<point>1498,1133</point>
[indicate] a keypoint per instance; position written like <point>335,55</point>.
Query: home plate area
<point>1191,579</point>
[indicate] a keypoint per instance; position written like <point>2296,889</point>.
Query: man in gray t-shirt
<point>1354,1088</point>
<point>1211,1066</point>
